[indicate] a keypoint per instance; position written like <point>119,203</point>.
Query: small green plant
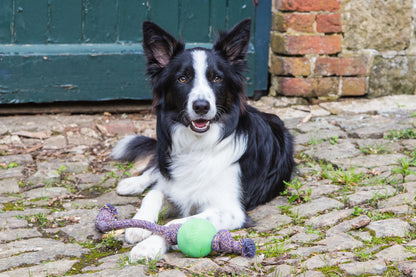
<point>300,195</point>
<point>10,165</point>
<point>162,215</point>
<point>333,140</point>
<point>315,141</point>
<point>362,255</point>
<point>358,211</point>
<point>109,243</point>
<point>124,171</point>
<point>409,133</point>
<point>403,169</point>
<point>40,219</point>
<point>275,249</point>
<point>61,171</point>
<point>62,168</point>
<point>374,148</point>
<point>413,157</point>
<point>340,176</point>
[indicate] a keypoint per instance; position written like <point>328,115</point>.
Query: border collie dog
<point>215,156</point>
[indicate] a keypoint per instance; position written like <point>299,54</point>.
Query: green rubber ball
<point>195,237</point>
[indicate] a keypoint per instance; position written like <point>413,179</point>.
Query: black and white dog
<point>215,156</point>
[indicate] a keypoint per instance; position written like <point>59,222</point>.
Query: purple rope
<point>106,220</point>
<point>224,242</point>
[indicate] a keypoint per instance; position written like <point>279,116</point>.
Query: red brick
<point>354,86</point>
<point>301,45</point>
<point>340,66</point>
<point>303,87</point>
<point>290,66</point>
<point>292,21</point>
<point>307,5</point>
<point>329,23</point>
<point>309,87</point>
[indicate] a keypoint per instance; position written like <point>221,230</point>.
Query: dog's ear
<point>159,46</point>
<point>233,45</point>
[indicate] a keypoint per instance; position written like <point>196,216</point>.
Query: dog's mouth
<point>200,125</point>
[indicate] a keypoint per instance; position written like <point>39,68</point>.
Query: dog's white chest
<point>204,170</point>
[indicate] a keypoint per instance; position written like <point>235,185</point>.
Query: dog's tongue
<point>200,123</point>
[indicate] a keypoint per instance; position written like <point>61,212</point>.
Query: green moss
<point>14,206</point>
<point>99,249</point>
<point>331,271</point>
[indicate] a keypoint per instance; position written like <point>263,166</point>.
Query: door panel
<point>90,50</point>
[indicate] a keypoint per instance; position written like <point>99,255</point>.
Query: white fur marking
<point>149,210</point>
<point>201,89</point>
<point>152,248</point>
<point>206,176</point>
<point>136,185</point>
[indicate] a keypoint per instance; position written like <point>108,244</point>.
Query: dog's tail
<point>132,148</point>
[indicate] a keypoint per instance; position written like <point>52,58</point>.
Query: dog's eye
<point>182,79</point>
<point>216,79</point>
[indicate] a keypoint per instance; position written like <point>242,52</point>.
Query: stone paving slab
<point>349,212</point>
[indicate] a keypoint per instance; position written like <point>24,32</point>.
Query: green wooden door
<point>90,50</point>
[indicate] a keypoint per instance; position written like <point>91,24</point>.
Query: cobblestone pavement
<point>349,211</point>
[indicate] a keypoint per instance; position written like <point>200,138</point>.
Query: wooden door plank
<point>166,14</point>
<point>219,18</point>
<point>100,21</point>
<point>65,21</point>
<point>194,20</point>
<point>31,20</point>
<point>6,21</point>
<point>43,79</point>
<point>239,10</point>
<point>131,14</point>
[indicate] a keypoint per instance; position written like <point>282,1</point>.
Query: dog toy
<point>195,238</point>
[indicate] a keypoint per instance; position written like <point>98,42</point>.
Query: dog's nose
<point>201,107</point>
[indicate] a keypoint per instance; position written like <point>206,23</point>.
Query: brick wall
<point>306,52</point>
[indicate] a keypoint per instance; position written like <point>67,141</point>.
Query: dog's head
<point>197,86</point>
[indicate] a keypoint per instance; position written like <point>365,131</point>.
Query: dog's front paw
<point>134,235</point>
<point>130,186</point>
<point>152,248</point>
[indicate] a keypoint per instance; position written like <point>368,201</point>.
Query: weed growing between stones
<point>331,271</point>
<point>404,169</point>
<point>7,166</point>
<point>340,176</point>
<point>333,140</point>
<point>299,195</point>
<point>121,172</point>
<point>375,148</point>
<point>362,255</point>
<point>409,133</point>
<point>314,141</point>
<point>39,219</point>
<point>392,271</point>
<point>275,248</point>
<point>358,211</point>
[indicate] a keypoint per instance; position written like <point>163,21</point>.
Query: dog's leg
<point>149,210</point>
<point>136,185</point>
<point>151,248</point>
